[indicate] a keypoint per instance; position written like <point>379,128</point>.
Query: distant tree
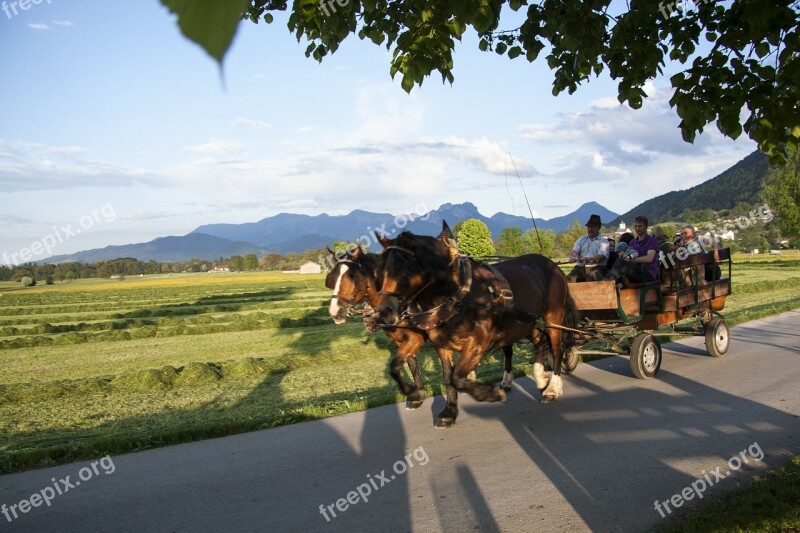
<point>48,280</point>
<point>20,272</point>
<point>566,239</point>
<point>530,242</point>
<point>782,194</point>
<point>509,244</point>
<point>272,261</point>
<point>236,263</point>
<point>475,239</point>
<point>251,262</point>
<point>27,281</point>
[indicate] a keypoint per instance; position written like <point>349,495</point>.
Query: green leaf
<point>407,84</point>
<point>514,52</point>
<point>483,45</point>
<point>209,23</point>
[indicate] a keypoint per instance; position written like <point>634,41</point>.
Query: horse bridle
<point>405,303</point>
<point>351,302</point>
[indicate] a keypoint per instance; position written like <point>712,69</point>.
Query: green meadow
<point>96,367</point>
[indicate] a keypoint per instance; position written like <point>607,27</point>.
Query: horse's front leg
<point>480,391</point>
<point>413,367</point>
<point>408,344</point>
<point>508,376</point>
<point>450,412</point>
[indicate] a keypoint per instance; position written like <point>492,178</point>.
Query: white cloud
<point>215,147</point>
<point>26,166</point>
<point>38,26</point>
<point>64,23</point>
<point>249,123</point>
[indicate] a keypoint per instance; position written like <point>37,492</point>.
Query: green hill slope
<point>740,183</point>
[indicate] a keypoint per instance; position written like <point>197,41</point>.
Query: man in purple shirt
<point>645,266</point>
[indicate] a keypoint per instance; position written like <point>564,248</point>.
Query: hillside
<point>740,183</point>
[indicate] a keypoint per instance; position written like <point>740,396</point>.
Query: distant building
<point>310,267</point>
<point>220,268</point>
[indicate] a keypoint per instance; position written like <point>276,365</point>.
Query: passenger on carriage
<point>644,266</point>
<point>590,252</point>
<point>693,245</point>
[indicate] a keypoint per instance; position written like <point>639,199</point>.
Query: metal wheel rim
<point>649,357</point>
<point>721,338</point>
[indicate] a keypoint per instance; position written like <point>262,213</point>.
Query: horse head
<point>415,269</point>
<point>349,282</point>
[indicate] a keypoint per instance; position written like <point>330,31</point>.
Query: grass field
<point>97,367</point>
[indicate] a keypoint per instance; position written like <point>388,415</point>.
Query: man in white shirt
<point>591,253</point>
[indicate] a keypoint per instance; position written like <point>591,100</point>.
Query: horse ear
<point>358,252</point>
<point>383,239</point>
<point>331,252</point>
<point>446,233</point>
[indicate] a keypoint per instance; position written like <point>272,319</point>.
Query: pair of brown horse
<point>421,289</point>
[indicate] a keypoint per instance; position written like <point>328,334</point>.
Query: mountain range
<point>287,232</point>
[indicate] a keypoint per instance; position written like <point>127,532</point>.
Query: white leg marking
<point>508,378</point>
<point>539,375</point>
<point>472,376</point>
<point>554,390</point>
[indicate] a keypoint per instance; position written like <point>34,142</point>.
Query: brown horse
<point>470,307</point>
<point>353,278</point>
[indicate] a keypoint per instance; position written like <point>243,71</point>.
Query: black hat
<point>594,220</point>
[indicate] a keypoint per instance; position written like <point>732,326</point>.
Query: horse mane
<point>434,262</point>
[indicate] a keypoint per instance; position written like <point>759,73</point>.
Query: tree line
<point>128,266</point>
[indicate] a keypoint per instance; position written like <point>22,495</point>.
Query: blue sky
<point>110,111</point>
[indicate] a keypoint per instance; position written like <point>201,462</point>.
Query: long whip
<point>538,237</point>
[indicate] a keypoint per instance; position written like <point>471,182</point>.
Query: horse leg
<point>407,347</point>
<point>554,388</point>
<point>450,412</point>
<point>540,348</point>
<point>413,367</point>
<point>480,391</point>
<point>508,376</point>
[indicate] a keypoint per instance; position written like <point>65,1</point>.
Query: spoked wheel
<point>645,356</point>
<point>718,337</point>
<point>570,360</point>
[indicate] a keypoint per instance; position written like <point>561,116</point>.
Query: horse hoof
<point>547,398</point>
<point>445,422</point>
<point>472,376</point>
<point>506,387</point>
<point>499,395</point>
<point>415,404</point>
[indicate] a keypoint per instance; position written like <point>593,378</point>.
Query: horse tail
<point>571,319</point>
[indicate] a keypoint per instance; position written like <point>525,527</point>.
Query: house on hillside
<point>310,267</point>
<point>220,268</point>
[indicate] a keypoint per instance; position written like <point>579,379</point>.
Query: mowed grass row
<point>64,402</point>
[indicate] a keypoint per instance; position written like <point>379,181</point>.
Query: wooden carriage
<point>628,319</point>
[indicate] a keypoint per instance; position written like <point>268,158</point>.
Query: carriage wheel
<point>718,337</point>
<point>570,360</point>
<point>645,356</point>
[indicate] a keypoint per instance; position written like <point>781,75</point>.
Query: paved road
<point>596,460</point>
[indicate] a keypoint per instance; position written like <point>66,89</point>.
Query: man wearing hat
<point>590,252</point>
